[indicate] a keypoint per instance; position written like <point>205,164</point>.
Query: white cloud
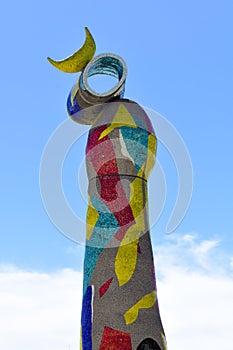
<point>203,251</point>
<point>42,310</point>
<point>39,310</point>
<point>188,250</point>
<point>195,294</point>
<point>197,310</point>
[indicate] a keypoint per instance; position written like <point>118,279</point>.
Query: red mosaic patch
<point>115,340</point>
<point>103,289</point>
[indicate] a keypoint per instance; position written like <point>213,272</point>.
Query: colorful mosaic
<point>120,306</point>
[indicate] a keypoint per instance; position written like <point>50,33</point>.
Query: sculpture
<point>120,306</point>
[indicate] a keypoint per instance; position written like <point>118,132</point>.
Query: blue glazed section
<point>105,228</point>
<point>134,138</point>
<point>91,256</point>
<point>86,320</point>
<point>72,109</point>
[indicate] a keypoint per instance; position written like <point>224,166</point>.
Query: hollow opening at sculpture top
<point>102,71</point>
<point>102,83</point>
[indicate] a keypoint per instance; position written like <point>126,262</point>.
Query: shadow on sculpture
<point>148,344</point>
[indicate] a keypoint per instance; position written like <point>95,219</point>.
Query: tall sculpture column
<point>120,306</point>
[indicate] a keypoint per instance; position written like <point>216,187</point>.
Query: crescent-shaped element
<point>76,62</point>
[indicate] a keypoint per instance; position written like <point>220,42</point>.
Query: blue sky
<point>180,63</point>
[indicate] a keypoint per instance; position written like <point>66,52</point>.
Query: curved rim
<point>109,64</point>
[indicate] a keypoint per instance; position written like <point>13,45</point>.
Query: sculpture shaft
<point>120,306</point>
